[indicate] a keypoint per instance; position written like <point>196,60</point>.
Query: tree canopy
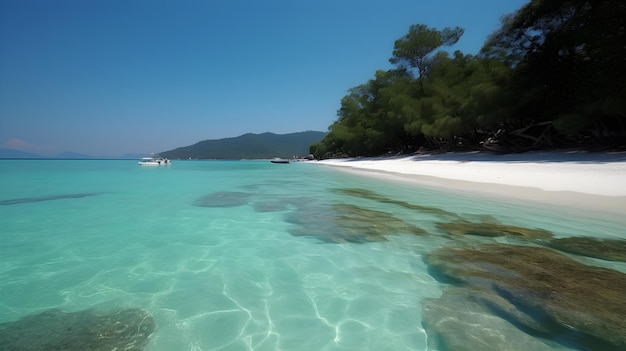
<point>416,48</point>
<point>553,75</point>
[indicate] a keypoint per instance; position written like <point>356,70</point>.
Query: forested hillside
<point>553,75</point>
<point>249,146</point>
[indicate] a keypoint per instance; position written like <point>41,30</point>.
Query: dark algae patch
<point>55,330</point>
<point>491,228</point>
<point>606,249</point>
<point>372,223</point>
<point>26,200</point>
<point>358,224</point>
<point>340,223</point>
<point>371,195</point>
<point>223,199</point>
<point>457,321</point>
<point>538,290</point>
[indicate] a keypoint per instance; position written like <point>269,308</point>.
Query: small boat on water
<point>154,161</point>
<point>279,160</point>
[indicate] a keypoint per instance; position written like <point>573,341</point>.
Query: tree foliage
<point>569,56</point>
<point>553,75</point>
<point>416,48</point>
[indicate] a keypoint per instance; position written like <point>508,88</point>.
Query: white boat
<point>279,160</point>
<point>154,161</point>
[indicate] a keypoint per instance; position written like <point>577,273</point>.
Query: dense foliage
<point>552,76</point>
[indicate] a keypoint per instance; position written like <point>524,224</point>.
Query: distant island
<point>17,154</point>
<point>246,146</point>
<point>249,146</point>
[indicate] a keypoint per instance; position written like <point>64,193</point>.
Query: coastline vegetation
<point>552,76</point>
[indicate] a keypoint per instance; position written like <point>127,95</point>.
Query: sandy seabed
<point>577,179</point>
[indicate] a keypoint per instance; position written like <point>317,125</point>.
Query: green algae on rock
<point>492,229</point>
<point>55,330</point>
<point>457,321</point>
<point>341,223</point>
<point>606,249</point>
<point>372,222</point>
<point>26,200</point>
<point>371,195</point>
<point>223,199</point>
<point>542,292</point>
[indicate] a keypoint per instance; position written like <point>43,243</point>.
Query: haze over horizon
<point>107,78</point>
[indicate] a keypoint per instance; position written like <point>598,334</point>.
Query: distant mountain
<point>72,155</point>
<point>8,153</point>
<point>132,156</point>
<point>249,146</point>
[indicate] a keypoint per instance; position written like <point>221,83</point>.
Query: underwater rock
<point>372,223</point>
<point>606,249</point>
<point>271,206</point>
<point>370,195</point>
<point>44,198</point>
<point>542,292</point>
<point>492,229</point>
<point>456,322</point>
<point>55,330</point>
<point>223,199</point>
<point>282,204</point>
<point>342,223</point>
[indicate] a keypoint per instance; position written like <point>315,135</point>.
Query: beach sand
<point>576,179</point>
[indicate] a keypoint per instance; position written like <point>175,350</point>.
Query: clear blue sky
<point>108,77</point>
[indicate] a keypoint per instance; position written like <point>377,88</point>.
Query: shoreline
<point>576,180</point>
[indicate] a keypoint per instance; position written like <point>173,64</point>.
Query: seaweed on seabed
<point>492,228</point>
<point>26,200</point>
<point>541,291</point>
<point>341,223</point>
<point>223,199</point>
<point>605,249</point>
<point>55,330</point>
<point>371,195</point>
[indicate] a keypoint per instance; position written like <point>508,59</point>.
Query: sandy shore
<point>595,181</point>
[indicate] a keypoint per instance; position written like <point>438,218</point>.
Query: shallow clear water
<point>238,255</point>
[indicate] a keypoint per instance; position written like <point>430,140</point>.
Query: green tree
<point>447,113</point>
<point>415,49</point>
<point>368,123</point>
<point>569,66</point>
<point>552,63</point>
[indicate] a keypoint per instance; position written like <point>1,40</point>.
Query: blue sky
<point>108,77</point>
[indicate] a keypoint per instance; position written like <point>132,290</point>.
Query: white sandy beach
<point>577,179</point>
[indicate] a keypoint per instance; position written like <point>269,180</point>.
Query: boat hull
<point>151,161</point>
<point>154,164</point>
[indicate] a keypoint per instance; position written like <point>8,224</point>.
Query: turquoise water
<point>238,255</point>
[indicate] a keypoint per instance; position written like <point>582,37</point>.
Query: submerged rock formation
<point>371,195</point>
<point>26,200</point>
<point>457,322</point>
<point>223,199</point>
<point>606,249</point>
<point>55,330</point>
<point>541,291</point>
<point>371,223</point>
<point>492,228</point>
<point>341,223</point>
